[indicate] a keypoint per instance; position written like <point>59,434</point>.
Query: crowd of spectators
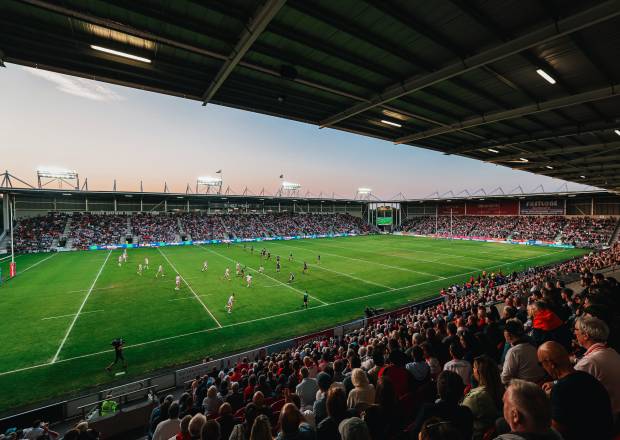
<point>155,227</point>
<point>92,229</point>
<point>86,229</point>
<point>578,231</point>
<point>545,367</point>
<point>35,234</point>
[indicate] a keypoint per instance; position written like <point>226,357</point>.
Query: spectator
<point>438,429</point>
<point>450,388</point>
<point>457,364</point>
<point>211,403</point>
<point>353,428</point>
<point>363,394</point>
<point>319,409</point>
<point>168,428</point>
<point>527,412</point>
<point>195,426</point>
<point>307,389</point>
<point>592,416</point>
<point>226,420</point>
<point>599,360</point>
<point>485,400</point>
<point>235,397</point>
<point>293,426</point>
<point>521,361</point>
<point>261,430</point>
<point>184,433</point>
<point>397,372</point>
<point>243,430</point>
<point>211,431</point>
<point>336,412</point>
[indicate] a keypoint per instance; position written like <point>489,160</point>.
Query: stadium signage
<point>542,207</point>
<point>495,240</point>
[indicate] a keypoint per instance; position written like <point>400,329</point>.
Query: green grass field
<point>62,310</point>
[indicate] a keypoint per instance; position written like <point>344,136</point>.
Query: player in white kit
<point>238,269</point>
<point>120,260</point>
<point>177,282</point>
<point>160,271</point>
<point>125,255</point>
<point>229,304</point>
<point>248,278</point>
<point>140,269</point>
<point>205,266</point>
<point>146,263</point>
<point>227,274</point>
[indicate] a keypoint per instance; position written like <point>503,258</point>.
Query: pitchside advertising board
<point>542,207</point>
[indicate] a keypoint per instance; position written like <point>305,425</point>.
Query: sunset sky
<point>108,132</point>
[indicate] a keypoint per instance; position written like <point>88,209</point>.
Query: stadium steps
<point>614,235</point>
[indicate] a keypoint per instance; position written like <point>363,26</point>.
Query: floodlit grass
<point>47,351</point>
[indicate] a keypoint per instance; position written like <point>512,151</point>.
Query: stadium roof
<point>458,77</point>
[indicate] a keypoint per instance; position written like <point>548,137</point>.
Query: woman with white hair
<point>363,394</point>
<point>212,402</point>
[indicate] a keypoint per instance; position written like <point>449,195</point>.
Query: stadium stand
<point>579,231</point>
<point>38,233</point>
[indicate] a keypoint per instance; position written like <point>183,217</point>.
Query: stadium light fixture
<point>523,159</point>
<point>120,54</point>
<point>290,186</point>
<point>583,177</point>
<point>492,150</point>
<point>549,167</point>
<point>56,173</point>
<point>617,132</point>
<point>66,194</point>
<point>208,180</point>
<point>546,76</point>
<point>364,191</point>
<point>393,124</point>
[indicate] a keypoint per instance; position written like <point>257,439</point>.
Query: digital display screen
<point>383,221</point>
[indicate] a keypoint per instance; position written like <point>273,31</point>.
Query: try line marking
<point>182,335</point>
<point>62,344</point>
<point>70,314</point>
<point>264,274</point>
<point>190,288</point>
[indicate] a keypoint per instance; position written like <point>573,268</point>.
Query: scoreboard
<point>385,216</point>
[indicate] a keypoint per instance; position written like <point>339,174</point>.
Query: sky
<point>108,132</point>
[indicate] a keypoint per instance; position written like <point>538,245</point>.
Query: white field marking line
<point>264,274</point>
<point>346,274</point>
<point>70,314</point>
<point>37,263</point>
<point>96,288</point>
<point>191,297</point>
<point>62,344</point>
<point>182,335</point>
<point>377,264</point>
<point>190,288</point>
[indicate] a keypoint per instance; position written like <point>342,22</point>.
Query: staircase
<point>65,234</point>
<point>228,234</point>
<point>614,235</point>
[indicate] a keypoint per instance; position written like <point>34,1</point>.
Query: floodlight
<point>583,177</point>
<point>492,150</point>
<point>120,54</point>
<point>523,159</point>
<point>394,124</point>
<point>56,173</point>
<point>210,181</point>
<point>290,186</point>
<point>545,75</point>
<point>364,191</point>
<point>617,132</point>
<point>549,167</point>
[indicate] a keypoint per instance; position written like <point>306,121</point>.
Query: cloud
<point>81,87</point>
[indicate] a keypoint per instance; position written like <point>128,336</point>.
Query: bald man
<point>580,406</point>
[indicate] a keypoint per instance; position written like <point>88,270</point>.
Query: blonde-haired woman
<point>212,402</point>
<point>363,394</point>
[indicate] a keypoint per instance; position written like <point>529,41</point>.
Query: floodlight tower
<point>213,185</point>
<point>46,176</point>
<point>290,189</point>
<point>363,194</point>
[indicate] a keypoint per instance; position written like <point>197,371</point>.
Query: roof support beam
<point>250,33</point>
<point>566,26</point>
<point>566,101</point>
